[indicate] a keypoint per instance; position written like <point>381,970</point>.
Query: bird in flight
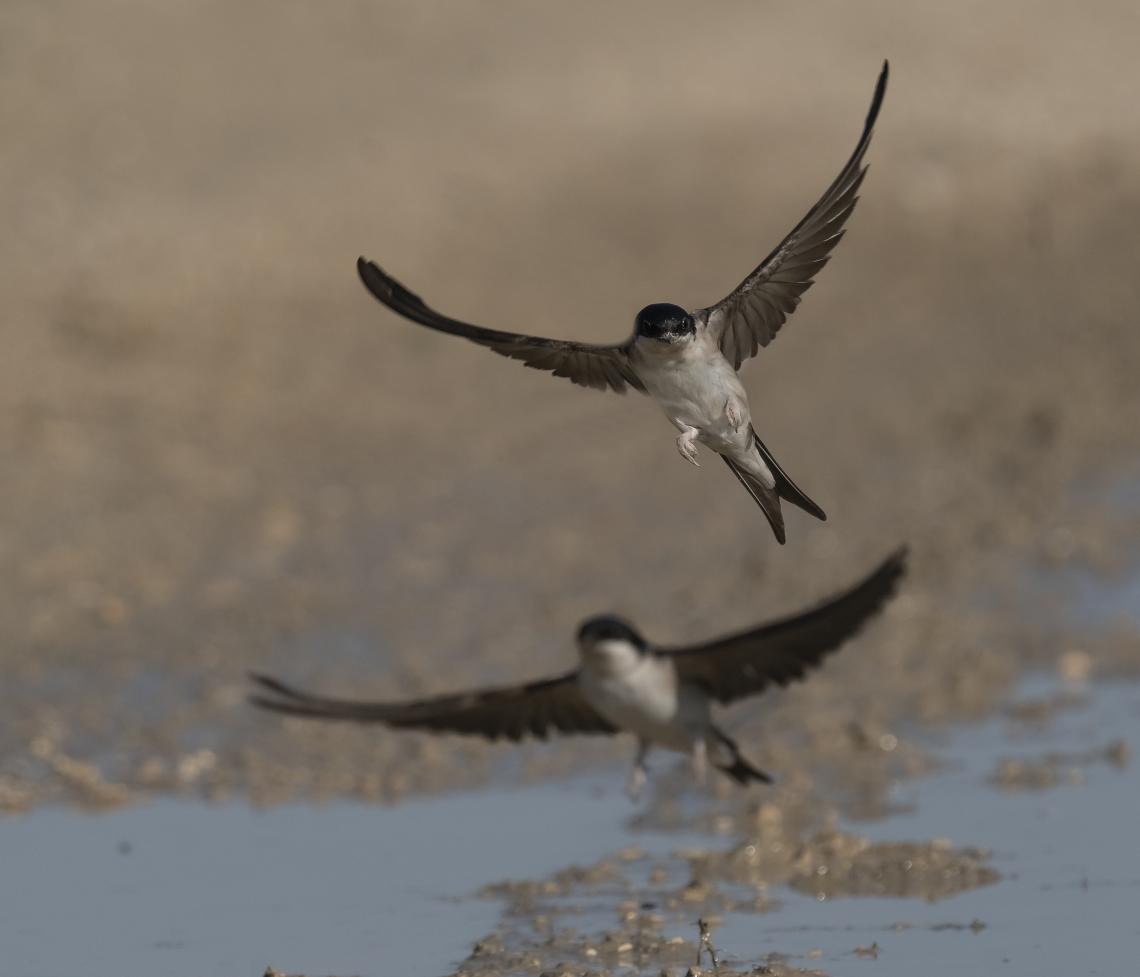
<point>688,361</point>
<point>623,683</point>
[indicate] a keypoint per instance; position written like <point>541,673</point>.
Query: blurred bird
<point>625,684</point>
<point>688,361</point>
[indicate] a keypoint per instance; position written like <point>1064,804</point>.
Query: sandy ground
<point>220,454</point>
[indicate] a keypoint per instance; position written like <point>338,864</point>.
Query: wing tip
<point>893,568</point>
<point>373,278</point>
<point>276,696</point>
<point>280,705</point>
<point>264,681</point>
<point>898,556</point>
<point>877,98</point>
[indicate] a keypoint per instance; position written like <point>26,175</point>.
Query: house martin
<point>688,361</point>
<point>623,683</point>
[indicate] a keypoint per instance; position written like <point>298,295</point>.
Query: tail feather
<point>785,487</point>
<point>744,773</point>
<point>767,498</point>
<point>736,766</point>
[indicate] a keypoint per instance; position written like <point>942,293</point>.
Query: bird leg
<point>638,775</point>
<point>705,943</point>
<point>699,760</point>
<point>734,413</point>
<point>686,447</point>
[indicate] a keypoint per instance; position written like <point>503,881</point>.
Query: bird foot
<point>636,782</point>
<point>699,760</point>
<point>734,414</point>
<point>687,448</point>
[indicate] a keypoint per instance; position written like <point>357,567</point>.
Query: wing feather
<point>746,663</point>
<point>753,313</point>
<point>510,712</point>
<point>586,364</point>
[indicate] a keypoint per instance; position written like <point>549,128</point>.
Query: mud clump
<point>627,910</point>
<point>782,845</point>
<point>848,866</point>
<point>634,909</point>
<point>1056,769</point>
<point>833,864</point>
<point>497,956</point>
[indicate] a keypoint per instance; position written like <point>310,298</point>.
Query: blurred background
<point>220,453</point>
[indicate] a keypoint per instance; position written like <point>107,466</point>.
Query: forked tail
<point>734,765</point>
<point>785,487</point>
<point>769,498</point>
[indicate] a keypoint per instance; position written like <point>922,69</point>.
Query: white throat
<point>657,348</point>
<point>611,657</point>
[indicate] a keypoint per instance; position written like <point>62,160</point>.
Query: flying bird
<point>623,683</point>
<point>688,361</point>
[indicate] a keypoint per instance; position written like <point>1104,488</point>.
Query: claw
<point>732,412</point>
<point>699,760</point>
<point>636,782</point>
<point>688,449</point>
<point>638,775</point>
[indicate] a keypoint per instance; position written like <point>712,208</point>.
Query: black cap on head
<point>663,320</point>
<point>608,627</point>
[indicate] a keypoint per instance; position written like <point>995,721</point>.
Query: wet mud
<point>542,918</point>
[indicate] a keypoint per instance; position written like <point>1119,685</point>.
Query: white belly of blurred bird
<point>647,700</point>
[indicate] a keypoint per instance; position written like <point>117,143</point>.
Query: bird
<point>624,683</point>
<point>688,361</point>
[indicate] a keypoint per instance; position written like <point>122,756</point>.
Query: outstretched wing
<point>744,664</point>
<point>586,364</point>
<point>535,709</point>
<point>752,315</point>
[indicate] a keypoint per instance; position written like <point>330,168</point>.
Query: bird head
<point>664,322</point>
<point>610,641</point>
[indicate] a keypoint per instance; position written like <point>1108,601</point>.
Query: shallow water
<point>184,889</point>
<point>178,888</point>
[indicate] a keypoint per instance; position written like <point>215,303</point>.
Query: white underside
<point>692,382</point>
<point>641,695</point>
